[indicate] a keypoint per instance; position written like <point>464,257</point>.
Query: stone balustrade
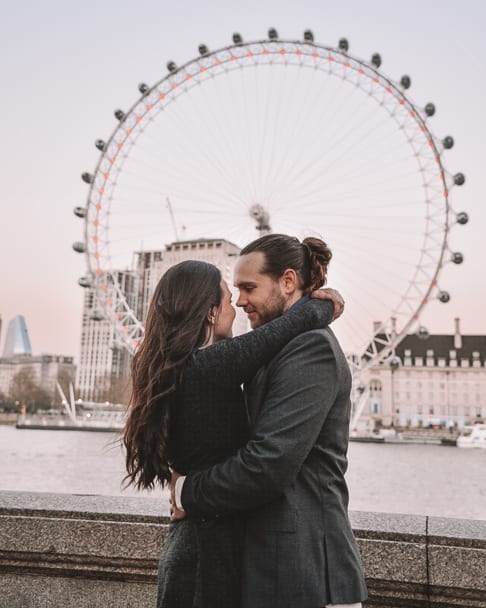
<point>60,550</point>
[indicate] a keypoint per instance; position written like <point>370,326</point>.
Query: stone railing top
<point>83,506</point>
<point>438,530</point>
<point>383,526</point>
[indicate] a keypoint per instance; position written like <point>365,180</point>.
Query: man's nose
<point>241,301</point>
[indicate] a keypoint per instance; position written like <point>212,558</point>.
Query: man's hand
<point>175,513</point>
<point>327,293</point>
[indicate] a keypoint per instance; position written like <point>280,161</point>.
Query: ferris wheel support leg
<point>363,400</point>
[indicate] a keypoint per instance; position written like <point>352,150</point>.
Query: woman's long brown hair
<point>177,324</point>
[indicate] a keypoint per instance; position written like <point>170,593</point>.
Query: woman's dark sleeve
<point>238,359</point>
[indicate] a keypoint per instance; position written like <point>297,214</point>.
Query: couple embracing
<point>259,499</point>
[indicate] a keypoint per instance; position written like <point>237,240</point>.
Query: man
<point>299,549</point>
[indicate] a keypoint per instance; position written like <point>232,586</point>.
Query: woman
<point>187,412</point>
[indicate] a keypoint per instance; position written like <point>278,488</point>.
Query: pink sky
<point>66,68</point>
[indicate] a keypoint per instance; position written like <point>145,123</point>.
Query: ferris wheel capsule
<point>448,142</point>
<point>394,363</point>
<point>87,177</point>
<point>79,247</point>
<point>343,44</point>
<point>203,50</point>
<point>459,179</point>
<point>273,34</point>
<point>376,60</point>
<point>457,257</point>
<point>171,66</point>
<point>237,38</point>
<point>120,115</point>
<point>444,297</point>
<point>85,282</point>
<point>405,81</point>
<point>80,212</point>
<point>430,109</point>
<point>462,218</point>
<point>96,315</point>
<point>423,333</point>
<point>100,144</point>
<point>143,88</point>
<point>308,36</point>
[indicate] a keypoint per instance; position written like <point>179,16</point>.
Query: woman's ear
<point>211,316</point>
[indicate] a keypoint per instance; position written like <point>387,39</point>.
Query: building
<point>46,371</point>
<point>146,263</point>
<point>220,252</point>
<point>42,371</point>
<point>17,340</point>
<point>432,379</point>
<point>104,363</point>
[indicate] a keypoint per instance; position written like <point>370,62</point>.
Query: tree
<point>25,390</point>
<point>118,390</point>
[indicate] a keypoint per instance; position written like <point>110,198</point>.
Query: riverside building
<point>438,380</point>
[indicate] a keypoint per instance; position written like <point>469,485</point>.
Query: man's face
<point>261,295</point>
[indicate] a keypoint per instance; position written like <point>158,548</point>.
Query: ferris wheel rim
<point>129,320</point>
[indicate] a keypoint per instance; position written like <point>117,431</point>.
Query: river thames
<point>419,479</point>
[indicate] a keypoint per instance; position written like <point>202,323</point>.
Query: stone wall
<point>59,550</point>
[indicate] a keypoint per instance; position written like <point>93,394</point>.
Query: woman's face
<point>225,315</point>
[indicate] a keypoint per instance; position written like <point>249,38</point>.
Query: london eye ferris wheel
<point>285,136</point>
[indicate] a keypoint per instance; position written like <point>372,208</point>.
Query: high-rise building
<point>42,371</point>
<point>17,341</point>
<point>145,263</point>
<point>104,363</point>
<point>220,252</point>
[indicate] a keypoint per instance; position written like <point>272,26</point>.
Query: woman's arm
<point>238,359</point>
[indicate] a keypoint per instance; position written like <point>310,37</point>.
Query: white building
<point>219,252</point>
<point>103,360</point>
<point>439,380</point>
<point>146,263</point>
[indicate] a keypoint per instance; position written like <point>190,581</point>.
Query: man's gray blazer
<point>299,547</point>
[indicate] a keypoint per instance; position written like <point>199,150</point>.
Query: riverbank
<point>103,551</point>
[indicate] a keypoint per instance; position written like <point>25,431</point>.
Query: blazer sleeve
<point>301,390</point>
<point>238,359</point>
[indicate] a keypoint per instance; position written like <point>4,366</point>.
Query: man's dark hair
<point>309,259</point>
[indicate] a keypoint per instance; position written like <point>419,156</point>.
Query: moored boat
<point>473,437</point>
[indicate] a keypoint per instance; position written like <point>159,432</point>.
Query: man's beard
<point>273,308</point>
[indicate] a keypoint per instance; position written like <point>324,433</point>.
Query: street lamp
<point>394,364</point>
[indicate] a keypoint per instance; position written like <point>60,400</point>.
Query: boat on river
<point>473,437</point>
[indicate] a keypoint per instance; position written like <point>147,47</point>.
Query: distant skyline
<point>65,68</point>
